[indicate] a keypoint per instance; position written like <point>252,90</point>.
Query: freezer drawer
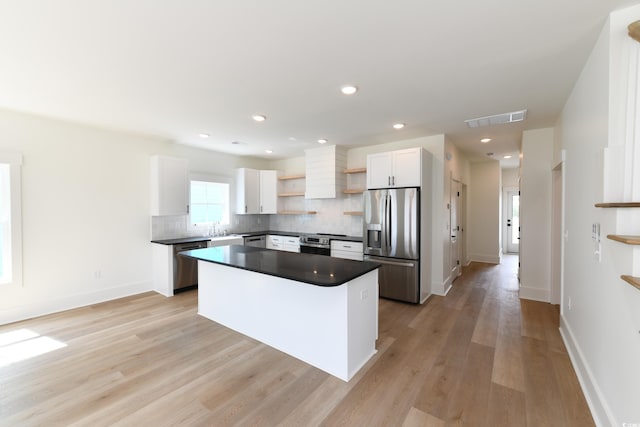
<point>398,279</point>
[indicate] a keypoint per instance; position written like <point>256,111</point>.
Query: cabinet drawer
<point>340,245</point>
<point>357,256</point>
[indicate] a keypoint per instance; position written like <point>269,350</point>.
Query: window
<point>10,219</point>
<point>209,202</point>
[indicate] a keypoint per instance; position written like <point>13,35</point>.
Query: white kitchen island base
<point>333,328</point>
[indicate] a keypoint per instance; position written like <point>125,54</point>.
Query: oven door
<point>312,249</point>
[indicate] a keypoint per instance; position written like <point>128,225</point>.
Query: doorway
<point>456,189</point>
<point>513,221</point>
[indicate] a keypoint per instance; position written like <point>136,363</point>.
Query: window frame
<point>14,160</point>
<point>217,179</point>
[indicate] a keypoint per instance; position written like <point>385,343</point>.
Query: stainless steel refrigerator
<point>391,236</point>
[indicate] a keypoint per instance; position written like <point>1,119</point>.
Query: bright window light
<point>209,203</point>
<point>24,344</point>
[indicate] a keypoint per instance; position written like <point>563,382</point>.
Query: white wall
<point>85,209</point>
<point>510,177</point>
<point>600,315</point>
<point>483,220</point>
<point>535,214</point>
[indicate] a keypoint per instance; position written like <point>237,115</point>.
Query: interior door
<point>513,222</point>
<point>455,229</point>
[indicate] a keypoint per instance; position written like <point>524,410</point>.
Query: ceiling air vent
<point>498,119</point>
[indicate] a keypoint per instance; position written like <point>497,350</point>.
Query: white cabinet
<point>275,242</point>
<point>283,243</point>
<point>268,192</point>
<point>401,168</point>
<point>291,244</point>
<point>347,250</point>
<point>256,191</point>
<point>169,186</point>
<point>324,177</point>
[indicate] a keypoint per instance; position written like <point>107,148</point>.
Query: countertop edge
<point>372,266</point>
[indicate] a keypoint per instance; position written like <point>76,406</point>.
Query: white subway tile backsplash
<point>330,218</point>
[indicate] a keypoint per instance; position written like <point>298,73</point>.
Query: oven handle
<point>312,245</point>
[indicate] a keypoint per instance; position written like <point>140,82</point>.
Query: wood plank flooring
<point>478,357</point>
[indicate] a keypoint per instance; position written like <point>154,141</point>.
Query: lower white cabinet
<point>283,243</point>
<point>347,250</point>
<point>292,244</point>
<point>274,242</point>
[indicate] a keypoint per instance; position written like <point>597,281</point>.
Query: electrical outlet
<point>97,274</point>
<point>569,304</point>
<point>364,294</point>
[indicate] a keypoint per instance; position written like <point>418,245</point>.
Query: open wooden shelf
<point>629,240</point>
<point>633,281</point>
<point>355,170</point>
<point>297,212</point>
<point>353,213</point>
<point>285,177</point>
<point>292,194</point>
<point>618,205</point>
<point>354,191</point>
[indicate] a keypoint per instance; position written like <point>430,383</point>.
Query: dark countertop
<point>177,241</point>
<point>319,270</point>
<point>292,233</point>
<point>182,240</point>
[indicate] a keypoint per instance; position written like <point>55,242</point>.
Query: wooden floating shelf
<point>353,213</point>
<point>297,212</point>
<point>354,191</point>
<point>285,177</point>
<point>618,205</point>
<point>299,193</point>
<point>355,170</point>
<point>634,281</point>
<point>629,240</point>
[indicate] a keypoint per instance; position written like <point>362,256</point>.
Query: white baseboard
<point>491,259</point>
<point>441,288</point>
<point>535,294</point>
<point>600,411</point>
<point>55,305</point>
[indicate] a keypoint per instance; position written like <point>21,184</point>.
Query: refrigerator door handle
<point>395,263</point>
<point>389,223</point>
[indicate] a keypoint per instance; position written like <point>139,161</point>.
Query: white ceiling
<point>178,68</point>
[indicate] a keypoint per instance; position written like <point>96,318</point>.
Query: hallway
<point>477,357</point>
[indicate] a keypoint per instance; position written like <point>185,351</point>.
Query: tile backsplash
<point>330,218</point>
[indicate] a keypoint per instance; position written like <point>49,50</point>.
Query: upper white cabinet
<point>256,191</point>
<point>401,168</point>
<point>169,186</point>
<point>324,177</point>
<point>268,192</point>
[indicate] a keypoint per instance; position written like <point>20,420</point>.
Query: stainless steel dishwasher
<point>185,270</point>
<point>256,241</point>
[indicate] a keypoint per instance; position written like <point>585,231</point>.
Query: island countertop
<point>319,270</point>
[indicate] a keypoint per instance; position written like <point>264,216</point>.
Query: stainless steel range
<point>319,244</point>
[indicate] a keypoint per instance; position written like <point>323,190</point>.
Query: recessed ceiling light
<point>507,157</point>
<point>485,140</point>
<point>268,151</point>
<point>398,126</point>
<point>259,118</point>
<point>204,135</point>
<point>236,142</point>
<point>323,141</point>
<point>349,89</point>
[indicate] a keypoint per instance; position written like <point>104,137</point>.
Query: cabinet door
<point>406,168</point>
<point>379,170</point>
<point>274,242</point>
<point>169,186</point>
<point>248,191</point>
<point>268,192</point>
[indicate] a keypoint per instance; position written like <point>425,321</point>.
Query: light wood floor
<point>477,357</point>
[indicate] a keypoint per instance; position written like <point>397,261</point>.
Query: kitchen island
<point>321,310</point>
